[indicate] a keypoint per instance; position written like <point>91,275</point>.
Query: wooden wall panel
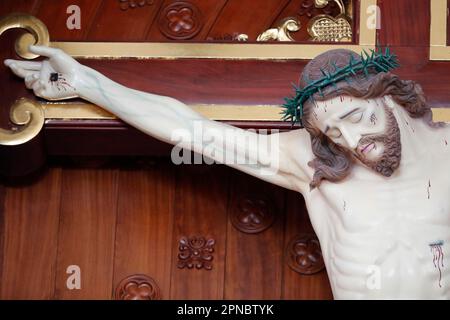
<point>295,285</point>
<point>144,225</point>
<point>257,17</point>
<point>201,211</point>
<point>28,6</point>
<point>254,261</point>
<point>87,232</point>
<point>113,24</point>
<point>405,22</point>
<point>206,81</point>
<point>30,231</point>
<point>2,229</point>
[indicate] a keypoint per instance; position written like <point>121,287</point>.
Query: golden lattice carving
<point>327,28</point>
<point>330,29</point>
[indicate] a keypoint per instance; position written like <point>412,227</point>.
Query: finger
<point>44,51</point>
<point>30,79</point>
<point>18,71</point>
<point>38,88</point>
<point>27,65</point>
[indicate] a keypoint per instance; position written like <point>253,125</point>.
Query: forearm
<point>156,115</point>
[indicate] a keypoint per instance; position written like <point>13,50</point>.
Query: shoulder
<point>296,152</point>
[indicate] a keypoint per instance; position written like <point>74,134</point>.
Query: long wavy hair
<point>333,162</point>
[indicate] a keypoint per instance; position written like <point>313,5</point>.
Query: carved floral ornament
<point>303,254</point>
<point>196,252</point>
<point>137,287</point>
<point>180,21</point>
<point>253,215</point>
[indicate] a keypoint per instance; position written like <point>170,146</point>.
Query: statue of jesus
<point>369,162</point>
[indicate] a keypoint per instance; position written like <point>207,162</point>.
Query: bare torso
<point>389,237</point>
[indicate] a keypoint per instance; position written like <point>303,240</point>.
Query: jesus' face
<point>367,128</point>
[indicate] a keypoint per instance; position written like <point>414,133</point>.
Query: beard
<point>389,160</point>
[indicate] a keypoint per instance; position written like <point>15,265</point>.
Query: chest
<point>417,198</point>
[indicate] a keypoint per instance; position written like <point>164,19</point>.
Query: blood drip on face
<point>438,258</point>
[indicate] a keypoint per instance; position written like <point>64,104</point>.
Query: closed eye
<point>356,117</point>
<point>334,133</point>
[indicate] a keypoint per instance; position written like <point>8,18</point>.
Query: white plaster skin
<point>365,222</point>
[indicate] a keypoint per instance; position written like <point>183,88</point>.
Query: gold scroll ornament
<point>322,28</point>
<point>25,113</point>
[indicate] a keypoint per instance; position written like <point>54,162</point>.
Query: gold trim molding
<point>222,112</point>
<point>438,31</point>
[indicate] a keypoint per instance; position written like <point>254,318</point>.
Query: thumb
<point>44,51</point>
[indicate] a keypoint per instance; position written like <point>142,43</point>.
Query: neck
<point>414,135</point>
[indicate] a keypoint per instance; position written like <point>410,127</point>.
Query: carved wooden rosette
<point>196,252</point>
<point>137,287</point>
<point>253,215</point>
<point>180,21</point>
<point>303,254</point>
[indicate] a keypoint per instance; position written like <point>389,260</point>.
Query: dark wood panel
<point>246,16</point>
<point>26,6</point>
<point>295,285</point>
<point>144,225</point>
<point>206,81</point>
<point>405,22</point>
<point>200,211</point>
<point>2,229</point>
<point>30,230</point>
<point>55,18</point>
<point>114,24</point>
<point>254,261</point>
<point>87,232</point>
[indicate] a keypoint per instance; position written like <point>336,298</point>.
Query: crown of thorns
<point>374,60</point>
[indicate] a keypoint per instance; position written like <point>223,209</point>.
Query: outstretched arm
<point>268,157</point>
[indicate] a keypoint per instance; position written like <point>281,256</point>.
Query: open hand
<point>55,78</point>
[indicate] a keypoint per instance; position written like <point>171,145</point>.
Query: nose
<point>351,138</point>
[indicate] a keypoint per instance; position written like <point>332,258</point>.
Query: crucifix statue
<point>369,162</point>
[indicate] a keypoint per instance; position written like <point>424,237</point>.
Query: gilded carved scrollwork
<point>282,32</point>
<point>30,116</point>
<point>38,32</point>
<point>25,113</point>
<point>321,27</point>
